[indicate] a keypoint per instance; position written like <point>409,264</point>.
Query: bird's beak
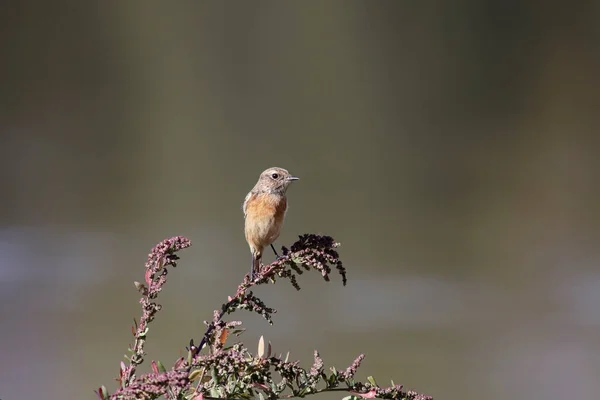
<point>292,178</point>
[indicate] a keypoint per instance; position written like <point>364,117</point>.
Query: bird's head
<point>274,180</point>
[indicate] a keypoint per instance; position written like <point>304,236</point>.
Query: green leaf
<point>372,380</point>
<point>194,374</point>
<point>213,374</point>
<point>231,385</point>
<point>161,367</point>
<point>333,379</point>
<point>214,392</point>
<point>103,392</point>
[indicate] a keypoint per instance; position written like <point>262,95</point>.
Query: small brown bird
<point>264,212</point>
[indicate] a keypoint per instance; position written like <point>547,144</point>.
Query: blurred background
<point>452,149</point>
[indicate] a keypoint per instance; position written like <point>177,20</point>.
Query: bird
<point>264,209</point>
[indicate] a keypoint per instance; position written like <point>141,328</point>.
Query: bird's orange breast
<point>264,217</point>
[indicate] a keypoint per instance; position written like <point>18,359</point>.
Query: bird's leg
<point>255,267</point>
<point>274,251</point>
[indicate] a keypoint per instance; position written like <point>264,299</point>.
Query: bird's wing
<point>250,194</point>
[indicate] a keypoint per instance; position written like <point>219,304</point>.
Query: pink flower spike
<point>148,276</point>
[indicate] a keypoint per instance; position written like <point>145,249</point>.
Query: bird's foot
<point>275,251</point>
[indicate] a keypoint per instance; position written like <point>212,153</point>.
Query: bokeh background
<point>451,147</point>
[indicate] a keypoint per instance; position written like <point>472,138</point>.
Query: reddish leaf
<point>371,394</point>
<point>198,396</point>
<point>223,337</point>
<point>179,362</point>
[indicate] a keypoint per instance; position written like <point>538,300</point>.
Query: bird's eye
<point>275,175</point>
